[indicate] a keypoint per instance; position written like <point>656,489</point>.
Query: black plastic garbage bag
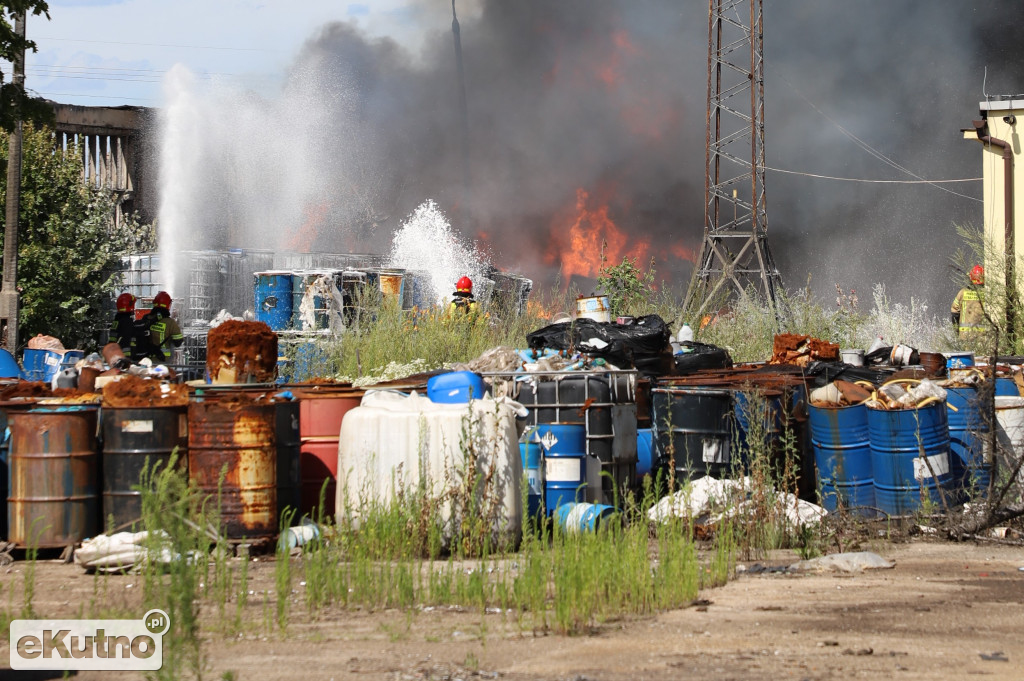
<point>623,345</point>
<point>702,356</point>
<point>823,373</point>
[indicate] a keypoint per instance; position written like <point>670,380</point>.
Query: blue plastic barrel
<point>565,463</point>
<point>1006,387</point>
<point>967,429</point>
<point>8,365</point>
<point>274,299</point>
<point>304,359</point>
<point>530,451</point>
<point>842,456</point>
<point>40,365</point>
<point>70,358</point>
<point>903,478</point>
<point>959,360</point>
<point>644,452</point>
<point>577,518</point>
<point>758,415</point>
<point>455,387</point>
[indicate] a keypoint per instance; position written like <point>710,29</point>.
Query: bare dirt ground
<point>946,611</point>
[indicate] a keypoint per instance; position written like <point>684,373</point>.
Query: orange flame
<point>591,241</point>
<point>683,252</point>
<point>302,240</point>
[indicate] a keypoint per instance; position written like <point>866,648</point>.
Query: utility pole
<point>463,108</point>
<point>735,253</point>
<point>9,290</point>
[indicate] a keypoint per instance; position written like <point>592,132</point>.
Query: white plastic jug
<point>685,334</point>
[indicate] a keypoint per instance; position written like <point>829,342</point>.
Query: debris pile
<point>791,348</point>
<point>241,352</point>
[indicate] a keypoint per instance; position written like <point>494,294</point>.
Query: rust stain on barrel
<point>54,481</point>
<point>238,439</point>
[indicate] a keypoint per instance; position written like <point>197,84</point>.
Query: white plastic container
<point>1010,427</point>
<point>394,442</point>
<point>594,307</point>
<point>853,357</point>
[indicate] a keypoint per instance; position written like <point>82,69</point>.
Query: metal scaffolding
<point>735,255</point>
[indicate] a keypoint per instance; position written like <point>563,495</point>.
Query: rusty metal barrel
<point>54,476</point>
<point>133,439</point>
<point>235,434</point>
<point>289,472</point>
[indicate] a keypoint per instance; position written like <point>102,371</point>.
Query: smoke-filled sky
<point>586,125</point>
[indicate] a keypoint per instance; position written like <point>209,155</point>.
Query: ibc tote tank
<point>394,441</point>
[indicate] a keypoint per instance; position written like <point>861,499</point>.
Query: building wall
<point>118,152</point>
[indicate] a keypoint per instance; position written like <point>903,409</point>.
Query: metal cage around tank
<point>603,402</point>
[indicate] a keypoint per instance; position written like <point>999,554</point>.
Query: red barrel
<point>320,416</point>
<point>235,434</point>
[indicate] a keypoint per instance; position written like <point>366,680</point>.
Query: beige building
<point>998,130</point>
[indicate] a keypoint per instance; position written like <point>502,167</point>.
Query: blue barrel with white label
<point>909,457</point>
<point>274,299</point>
<point>530,451</point>
<point>565,463</point>
<point>842,456</point>
<point>40,364</point>
<point>967,431</point>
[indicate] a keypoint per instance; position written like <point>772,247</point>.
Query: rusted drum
<point>289,477</point>
<point>133,439</point>
<point>320,416</point>
<point>54,476</point>
<point>236,436</point>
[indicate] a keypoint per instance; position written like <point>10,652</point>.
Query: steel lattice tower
<point>735,253</point>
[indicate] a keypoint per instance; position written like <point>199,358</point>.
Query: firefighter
<point>463,300</point>
<point>161,332</point>
<point>125,329</point>
<point>968,310</point>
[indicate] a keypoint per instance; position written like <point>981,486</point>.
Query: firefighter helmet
<point>978,275</point>
<point>465,285</point>
<point>162,299</point>
<point>125,302</point>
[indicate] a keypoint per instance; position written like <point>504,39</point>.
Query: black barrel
<point>289,446</point>
<point>694,429</point>
<point>134,438</point>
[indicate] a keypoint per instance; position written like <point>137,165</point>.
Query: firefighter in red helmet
<point>463,300</point>
<point>968,310</point>
<point>161,331</point>
<point>125,329</point>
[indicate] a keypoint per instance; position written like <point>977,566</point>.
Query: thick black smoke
<point>610,96</point>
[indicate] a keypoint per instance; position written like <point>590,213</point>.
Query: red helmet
<point>978,275</point>
<point>162,299</point>
<point>125,302</point>
<point>464,284</point>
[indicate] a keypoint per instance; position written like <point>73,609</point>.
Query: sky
<point>114,52</point>
<point>579,112</point>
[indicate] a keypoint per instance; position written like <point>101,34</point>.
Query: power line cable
<point>188,47</point>
<point>868,148</point>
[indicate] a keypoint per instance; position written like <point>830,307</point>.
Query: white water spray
<point>426,242</point>
<point>295,172</point>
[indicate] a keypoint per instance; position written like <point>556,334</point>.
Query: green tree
<point>68,251</point>
<point>14,105</point>
<point>629,289</point>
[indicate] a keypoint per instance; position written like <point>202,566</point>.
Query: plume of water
<point>427,243</point>
<point>179,169</point>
